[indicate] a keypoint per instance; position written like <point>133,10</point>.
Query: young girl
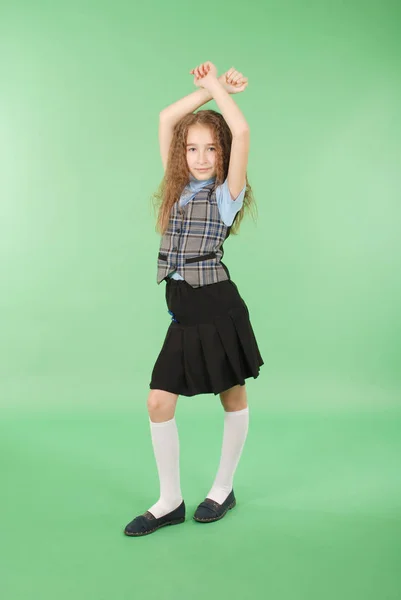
<point>210,346</point>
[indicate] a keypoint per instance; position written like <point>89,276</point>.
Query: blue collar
<point>196,184</point>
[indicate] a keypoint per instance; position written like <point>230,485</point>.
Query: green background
<point>82,318</point>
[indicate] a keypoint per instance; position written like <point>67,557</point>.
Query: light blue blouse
<point>228,207</point>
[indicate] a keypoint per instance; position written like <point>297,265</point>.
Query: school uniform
<point>210,344</point>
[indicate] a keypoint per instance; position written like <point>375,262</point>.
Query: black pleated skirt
<point>210,345</point>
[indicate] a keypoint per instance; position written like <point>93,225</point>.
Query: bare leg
<point>234,398</point>
<point>161,405</point>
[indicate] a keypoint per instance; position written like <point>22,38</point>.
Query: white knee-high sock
<point>236,425</point>
<point>167,454</point>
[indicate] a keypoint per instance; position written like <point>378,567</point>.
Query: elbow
<point>163,114</point>
<point>242,132</point>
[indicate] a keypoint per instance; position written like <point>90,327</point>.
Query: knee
<point>161,405</point>
<point>234,398</point>
<point>154,401</point>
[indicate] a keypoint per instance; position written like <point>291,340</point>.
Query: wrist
<point>214,84</point>
<point>222,81</point>
<point>204,95</point>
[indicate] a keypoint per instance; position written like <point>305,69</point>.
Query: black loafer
<point>209,510</point>
<point>148,523</point>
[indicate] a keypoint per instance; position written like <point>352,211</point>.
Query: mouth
<point>201,170</point>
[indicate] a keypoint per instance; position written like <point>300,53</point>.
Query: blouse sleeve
<point>227,206</point>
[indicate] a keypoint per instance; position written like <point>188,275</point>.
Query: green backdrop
<point>82,318</point>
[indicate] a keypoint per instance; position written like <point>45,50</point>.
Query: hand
<point>233,81</point>
<point>205,73</point>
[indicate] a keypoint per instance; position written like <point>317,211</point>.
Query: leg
<point>234,398</point>
<point>161,405</point>
<point>236,421</point>
<point>161,408</point>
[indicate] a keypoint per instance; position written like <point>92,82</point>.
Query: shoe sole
<point>175,522</point>
<point>217,518</point>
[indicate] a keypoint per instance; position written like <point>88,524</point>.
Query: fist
<point>204,73</point>
<point>233,81</point>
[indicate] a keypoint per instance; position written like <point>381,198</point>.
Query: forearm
<point>229,109</point>
<point>188,104</point>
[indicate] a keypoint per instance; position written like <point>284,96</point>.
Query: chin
<point>206,174</point>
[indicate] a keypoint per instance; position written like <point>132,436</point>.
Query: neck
<point>192,178</point>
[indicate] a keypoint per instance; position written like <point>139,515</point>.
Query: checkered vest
<point>193,241</point>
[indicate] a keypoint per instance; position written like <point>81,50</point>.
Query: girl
<point>210,345</point>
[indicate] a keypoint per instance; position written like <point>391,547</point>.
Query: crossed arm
<point>169,116</point>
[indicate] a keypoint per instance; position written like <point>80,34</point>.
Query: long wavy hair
<point>177,173</point>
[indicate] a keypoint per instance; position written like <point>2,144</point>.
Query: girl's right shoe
<point>148,523</point>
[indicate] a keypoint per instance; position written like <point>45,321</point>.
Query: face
<point>201,152</point>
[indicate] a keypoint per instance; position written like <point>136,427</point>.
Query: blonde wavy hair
<point>177,173</point>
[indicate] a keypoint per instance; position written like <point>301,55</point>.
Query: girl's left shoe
<point>209,510</point>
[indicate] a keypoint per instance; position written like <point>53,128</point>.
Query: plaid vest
<point>193,241</point>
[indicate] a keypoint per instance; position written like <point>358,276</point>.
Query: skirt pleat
<point>210,345</point>
<point>247,346</point>
<point>196,368</point>
<point>227,330</point>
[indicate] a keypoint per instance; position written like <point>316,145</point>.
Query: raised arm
<point>169,116</point>
<point>236,177</point>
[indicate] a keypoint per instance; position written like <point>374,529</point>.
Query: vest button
<point>177,230</point>
<point>175,249</point>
